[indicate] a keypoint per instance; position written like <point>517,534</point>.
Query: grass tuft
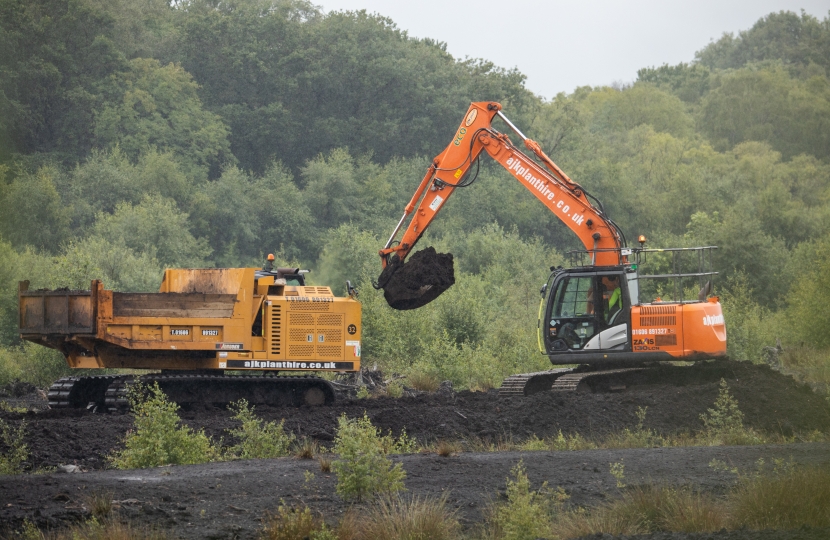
<point>99,504</point>
<point>787,500</point>
<point>93,529</point>
<point>447,448</point>
<point>395,518</point>
<point>307,449</point>
<point>646,509</point>
<point>425,382</point>
<point>296,523</point>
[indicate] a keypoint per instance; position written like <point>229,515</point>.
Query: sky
<point>563,44</point>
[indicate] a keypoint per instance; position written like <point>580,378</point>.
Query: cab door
<point>570,318</point>
<point>584,313</point>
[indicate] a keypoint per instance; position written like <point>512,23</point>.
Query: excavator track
<point>110,392</point>
<point>78,392</point>
<point>526,384</point>
<point>557,380</point>
<point>571,382</point>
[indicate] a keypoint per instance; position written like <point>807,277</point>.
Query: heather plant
<point>158,438</point>
<point>363,469</point>
<point>257,439</point>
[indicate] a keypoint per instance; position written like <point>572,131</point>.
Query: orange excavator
<point>593,314</point>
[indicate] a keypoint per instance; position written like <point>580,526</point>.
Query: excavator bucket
<point>418,281</point>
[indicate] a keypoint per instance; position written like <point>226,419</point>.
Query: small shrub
<point>617,470</point>
<point>524,516</point>
<point>363,470</point>
<point>394,389</point>
<point>158,439</point>
<point>397,519</point>
<point>724,424</point>
<point>362,393</point>
<point>16,453</point>
<point>257,439</point>
<point>291,523</point>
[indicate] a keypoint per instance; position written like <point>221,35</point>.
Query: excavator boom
<point>412,286</point>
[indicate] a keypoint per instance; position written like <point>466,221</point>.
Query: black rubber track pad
<point>418,281</point>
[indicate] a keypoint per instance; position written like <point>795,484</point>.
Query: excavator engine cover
<point>418,281</point>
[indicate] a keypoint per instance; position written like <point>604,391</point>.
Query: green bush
<point>32,363</point>
<point>256,438</point>
<point>362,468</point>
<point>158,439</point>
<point>16,452</point>
<point>524,516</point>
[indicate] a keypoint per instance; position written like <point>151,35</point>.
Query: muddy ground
<point>236,495</point>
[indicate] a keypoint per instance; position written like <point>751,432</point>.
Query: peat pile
<point>418,281</point>
<point>675,398</point>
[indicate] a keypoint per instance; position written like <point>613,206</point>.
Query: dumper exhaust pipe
<point>417,281</point>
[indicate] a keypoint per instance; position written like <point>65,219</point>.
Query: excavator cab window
<point>581,307</point>
<point>572,321</point>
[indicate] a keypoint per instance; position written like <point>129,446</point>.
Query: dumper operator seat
<point>292,276</point>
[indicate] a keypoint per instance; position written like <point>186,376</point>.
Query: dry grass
<point>447,448</point>
<point>785,500</point>
<point>646,509</point>
<point>99,504</point>
<point>307,449</point>
<point>807,365</point>
<point>425,382</point>
<point>325,464</point>
<point>397,518</point>
<point>292,523</point>
<point>109,529</point>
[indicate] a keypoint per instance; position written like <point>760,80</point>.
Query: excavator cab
<point>586,311</point>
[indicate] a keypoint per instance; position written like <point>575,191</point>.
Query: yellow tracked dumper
<point>201,324</point>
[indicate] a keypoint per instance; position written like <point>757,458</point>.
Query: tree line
<point>146,134</point>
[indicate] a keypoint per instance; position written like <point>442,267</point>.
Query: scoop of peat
<point>418,281</point>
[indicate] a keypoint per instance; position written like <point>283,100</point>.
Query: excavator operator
<point>611,296</point>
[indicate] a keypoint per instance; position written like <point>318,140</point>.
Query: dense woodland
<point>142,134</point>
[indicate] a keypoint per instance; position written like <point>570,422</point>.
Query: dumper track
<point>110,392</point>
<point>77,392</point>
<point>558,380</point>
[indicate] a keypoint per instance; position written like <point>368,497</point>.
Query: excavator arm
<point>450,170</point>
